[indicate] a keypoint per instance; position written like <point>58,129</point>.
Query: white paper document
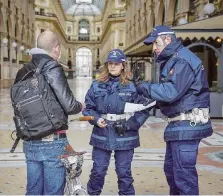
<point>133,107</point>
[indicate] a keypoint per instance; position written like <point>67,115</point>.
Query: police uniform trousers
<point>101,160</point>
<point>180,167</point>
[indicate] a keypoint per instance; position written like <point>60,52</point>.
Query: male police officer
<point>183,97</point>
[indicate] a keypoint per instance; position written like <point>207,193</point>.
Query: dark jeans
<point>180,167</point>
<point>101,159</point>
<point>45,172</point>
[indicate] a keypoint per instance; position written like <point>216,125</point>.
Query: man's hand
<point>101,123</point>
<point>83,106</point>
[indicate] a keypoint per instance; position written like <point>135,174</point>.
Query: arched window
<point>84,30</point>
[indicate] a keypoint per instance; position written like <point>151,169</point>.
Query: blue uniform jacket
<point>183,86</point>
<point>110,98</point>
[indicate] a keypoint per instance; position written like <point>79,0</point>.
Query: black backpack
<point>37,111</point>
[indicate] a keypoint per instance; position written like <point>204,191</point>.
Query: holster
<point>120,127</point>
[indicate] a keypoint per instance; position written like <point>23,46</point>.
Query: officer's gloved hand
<point>120,127</point>
<point>136,80</point>
<point>147,101</point>
<point>142,88</point>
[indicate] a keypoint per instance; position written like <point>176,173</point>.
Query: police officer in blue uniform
<point>183,97</point>
<point>113,129</point>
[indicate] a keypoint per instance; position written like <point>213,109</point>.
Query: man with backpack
<point>42,101</point>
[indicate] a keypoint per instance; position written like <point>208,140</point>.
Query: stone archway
<point>220,56</point>
<point>83,62</point>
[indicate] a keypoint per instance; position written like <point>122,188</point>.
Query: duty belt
<point>197,115</point>
<point>115,117</point>
<point>52,137</point>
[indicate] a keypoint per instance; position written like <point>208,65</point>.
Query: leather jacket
<point>55,76</point>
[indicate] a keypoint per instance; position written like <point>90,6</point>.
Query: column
<point>14,59</point>
<point>20,55</point>
<point>10,58</point>
<point>199,9</point>
<point>116,38</point>
<point>182,15</point>
<point>5,57</point>
<point>1,63</point>
<point>5,47</point>
<point>14,45</point>
<point>205,60</point>
<point>74,61</point>
<point>76,30</point>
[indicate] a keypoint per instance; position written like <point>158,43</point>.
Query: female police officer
<point>113,130</point>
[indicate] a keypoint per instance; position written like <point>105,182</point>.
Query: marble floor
<point>147,166</point>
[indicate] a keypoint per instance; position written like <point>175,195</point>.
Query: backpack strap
<point>26,75</point>
<point>15,144</point>
<point>38,69</point>
<point>41,65</point>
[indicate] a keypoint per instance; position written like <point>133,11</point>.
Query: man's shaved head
<point>47,40</point>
